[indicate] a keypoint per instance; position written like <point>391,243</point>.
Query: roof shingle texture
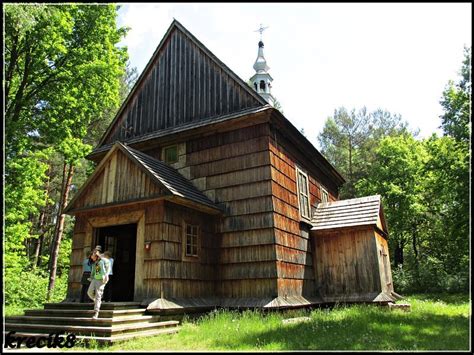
<point>347,213</point>
<point>176,183</point>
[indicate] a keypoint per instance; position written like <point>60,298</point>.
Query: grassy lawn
<point>436,322</point>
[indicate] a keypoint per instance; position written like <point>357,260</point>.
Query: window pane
<point>306,206</point>
<point>305,185</point>
<point>191,240</point>
<point>171,154</point>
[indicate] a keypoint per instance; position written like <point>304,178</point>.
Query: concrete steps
<point>90,305</point>
<point>108,340</point>
<point>117,321</point>
<point>87,320</point>
<point>83,312</point>
<point>89,329</point>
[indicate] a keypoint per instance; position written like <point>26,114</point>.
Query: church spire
<point>261,80</point>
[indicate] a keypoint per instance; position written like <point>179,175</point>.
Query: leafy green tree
<point>348,141</point>
<point>447,199</point>
<point>63,71</point>
<point>396,176</point>
<point>456,103</point>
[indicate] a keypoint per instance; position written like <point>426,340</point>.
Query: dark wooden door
<point>121,242</point>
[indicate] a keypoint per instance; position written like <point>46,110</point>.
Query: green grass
<point>436,322</point>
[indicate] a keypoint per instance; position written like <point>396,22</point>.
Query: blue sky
<point>398,57</point>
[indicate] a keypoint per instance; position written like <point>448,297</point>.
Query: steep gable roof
<point>183,82</point>
<point>349,213</point>
<point>147,177</point>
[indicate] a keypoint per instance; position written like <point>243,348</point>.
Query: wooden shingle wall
<point>233,169</point>
<point>80,246</point>
<point>167,271</point>
<point>293,248</point>
<point>236,171</point>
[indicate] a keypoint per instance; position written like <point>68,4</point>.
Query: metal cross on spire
<point>261,29</point>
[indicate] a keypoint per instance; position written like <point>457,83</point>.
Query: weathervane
<point>261,29</point>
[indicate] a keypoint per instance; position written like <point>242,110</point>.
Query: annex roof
<point>349,213</point>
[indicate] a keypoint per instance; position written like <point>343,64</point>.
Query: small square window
<point>170,154</point>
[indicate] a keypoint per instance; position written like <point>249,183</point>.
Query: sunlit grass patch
<point>434,323</point>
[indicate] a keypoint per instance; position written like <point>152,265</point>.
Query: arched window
<point>262,85</point>
<point>256,87</point>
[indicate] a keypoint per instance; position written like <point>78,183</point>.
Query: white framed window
<point>191,240</point>
<point>324,195</point>
<point>303,193</point>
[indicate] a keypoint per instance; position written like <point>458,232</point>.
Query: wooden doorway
<point>121,241</point>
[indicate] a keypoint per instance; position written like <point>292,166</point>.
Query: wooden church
<point>207,196</point>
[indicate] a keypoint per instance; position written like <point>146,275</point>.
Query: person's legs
<point>91,290</point>
<point>108,290</point>
<point>84,293</point>
<point>99,290</point>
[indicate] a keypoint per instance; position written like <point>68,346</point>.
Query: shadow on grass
<point>371,331</point>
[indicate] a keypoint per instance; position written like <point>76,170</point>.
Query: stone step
<point>83,312</point>
<point>403,306</point>
<point>108,321</point>
<point>108,340</point>
<point>97,330</point>
<point>90,305</point>
<point>129,336</point>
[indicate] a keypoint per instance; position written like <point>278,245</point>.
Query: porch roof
<point>170,183</point>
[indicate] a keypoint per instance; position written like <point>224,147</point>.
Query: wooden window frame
<point>186,256</point>
<point>175,146</point>
<point>300,192</point>
<point>324,191</point>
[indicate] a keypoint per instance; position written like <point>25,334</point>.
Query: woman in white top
<point>108,287</point>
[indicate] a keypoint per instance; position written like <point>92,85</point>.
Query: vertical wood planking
<point>182,85</point>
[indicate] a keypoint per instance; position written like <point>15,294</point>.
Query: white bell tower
<point>261,80</point>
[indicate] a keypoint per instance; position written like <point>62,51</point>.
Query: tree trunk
<point>415,251</point>
<point>42,224</point>
<point>36,259</point>
<point>58,231</point>
<point>398,254</point>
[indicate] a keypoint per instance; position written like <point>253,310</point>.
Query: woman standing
<point>86,274</point>
<point>99,276</point>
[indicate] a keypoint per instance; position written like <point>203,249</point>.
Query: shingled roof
<point>349,213</point>
<point>171,184</point>
<point>172,180</point>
